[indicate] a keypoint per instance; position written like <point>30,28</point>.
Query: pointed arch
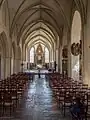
<point>75,40</point>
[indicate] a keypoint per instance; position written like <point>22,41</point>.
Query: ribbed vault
<point>37,20</point>
<point>31,21</point>
<point>28,23</point>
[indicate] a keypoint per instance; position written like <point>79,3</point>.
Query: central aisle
<point>39,103</point>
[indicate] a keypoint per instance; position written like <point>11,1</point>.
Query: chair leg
<point>64,109</point>
<point>10,110</point>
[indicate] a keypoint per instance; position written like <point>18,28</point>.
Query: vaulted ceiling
<point>38,20</point>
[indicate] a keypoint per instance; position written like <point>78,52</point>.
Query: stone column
<point>17,66</point>
<point>86,43</point>
<point>43,58</point>
<point>12,65</point>
<point>86,60</point>
<point>57,54</point>
<point>52,55</point>
<point>8,67</point>
<point>69,60</point>
<point>60,61</point>
<point>2,67</point>
<point>50,58</point>
<point>28,55</point>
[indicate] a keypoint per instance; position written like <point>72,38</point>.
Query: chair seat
<point>8,104</point>
<point>14,97</point>
<point>66,104</point>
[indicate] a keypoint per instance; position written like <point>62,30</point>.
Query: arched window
<point>75,39</point>
<point>46,55</point>
<point>32,55</point>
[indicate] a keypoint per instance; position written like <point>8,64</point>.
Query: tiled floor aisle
<point>38,104</point>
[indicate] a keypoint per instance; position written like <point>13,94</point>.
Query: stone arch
<point>81,8</point>
<point>76,30</point>
<point>5,15</point>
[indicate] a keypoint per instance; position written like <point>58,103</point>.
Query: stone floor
<point>37,104</point>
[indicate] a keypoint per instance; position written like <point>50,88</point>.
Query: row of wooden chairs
<point>12,89</point>
<point>65,90</point>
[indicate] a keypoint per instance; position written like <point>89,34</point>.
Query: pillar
<point>2,67</point>
<point>86,47</point>
<point>60,60</point>
<point>8,67</point>
<point>57,56</point>
<point>17,65</point>
<point>28,53</point>
<point>69,60</point>
<point>12,65</point>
